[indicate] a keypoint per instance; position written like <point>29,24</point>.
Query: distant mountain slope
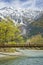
<point>36,27</point>
<point>31,21</point>
<point>38,22</point>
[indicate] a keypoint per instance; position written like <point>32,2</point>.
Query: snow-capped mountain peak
<point>20,15</point>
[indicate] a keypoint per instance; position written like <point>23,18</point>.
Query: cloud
<point>32,4</point>
<point>11,3</point>
<point>16,4</point>
<point>39,3</point>
<point>3,4</point>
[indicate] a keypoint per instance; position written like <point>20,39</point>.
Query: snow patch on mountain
<point>20,15</point>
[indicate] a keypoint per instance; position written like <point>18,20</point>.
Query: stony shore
<point>30,53</point>
<point>3,54</point>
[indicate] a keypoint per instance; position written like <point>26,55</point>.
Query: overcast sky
<point>31,4</point>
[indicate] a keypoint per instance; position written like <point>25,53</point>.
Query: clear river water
<point>25,60</point>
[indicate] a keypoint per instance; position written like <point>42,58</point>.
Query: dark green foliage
<point>36,27</point>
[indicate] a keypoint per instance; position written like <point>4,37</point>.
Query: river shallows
<point>36,58</point>
<point>23,61</point>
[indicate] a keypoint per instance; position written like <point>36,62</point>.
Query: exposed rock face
<point>23,17</point>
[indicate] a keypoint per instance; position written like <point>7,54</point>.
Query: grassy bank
<point>10,50</point>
